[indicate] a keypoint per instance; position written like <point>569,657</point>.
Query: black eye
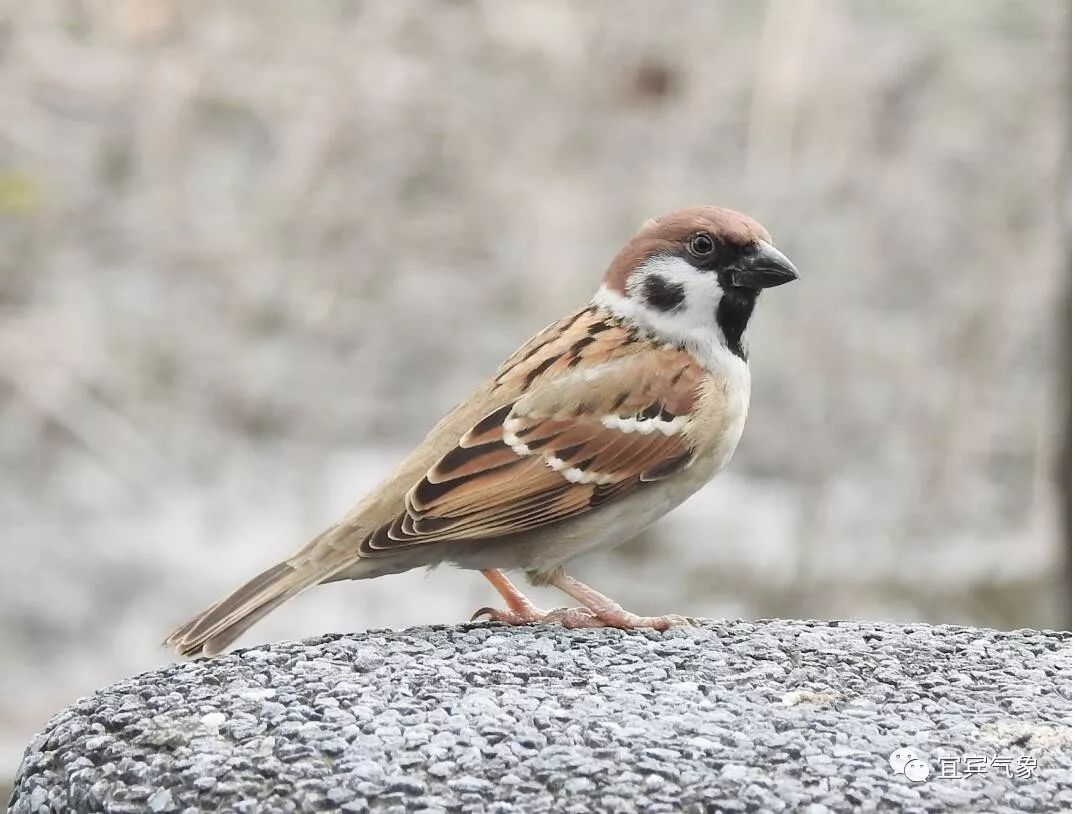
<point>701,245</point>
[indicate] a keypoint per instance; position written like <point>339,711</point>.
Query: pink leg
<point>522,611</point>
<point>607,612</point>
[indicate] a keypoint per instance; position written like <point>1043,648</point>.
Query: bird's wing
<point>595,414</point>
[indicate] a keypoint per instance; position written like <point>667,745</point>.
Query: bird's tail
<point>212,630</point>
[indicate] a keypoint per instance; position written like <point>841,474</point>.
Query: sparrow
<point>592,430</point>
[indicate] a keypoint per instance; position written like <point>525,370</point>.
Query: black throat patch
<point>733,313</point>
<point>663,295</point>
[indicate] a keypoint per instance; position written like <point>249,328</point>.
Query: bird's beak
<point>764,268</point>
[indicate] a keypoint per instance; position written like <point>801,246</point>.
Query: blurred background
<point>250,253</point>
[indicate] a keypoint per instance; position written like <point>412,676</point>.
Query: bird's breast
<point>719,416</point>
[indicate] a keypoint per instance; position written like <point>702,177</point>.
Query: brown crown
<point>670,233</point>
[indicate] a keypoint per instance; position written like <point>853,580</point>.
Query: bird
<point>593,429</point>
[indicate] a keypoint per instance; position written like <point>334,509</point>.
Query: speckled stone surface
<point>736,716</point>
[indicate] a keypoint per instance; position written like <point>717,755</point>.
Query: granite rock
<point>728,716</point>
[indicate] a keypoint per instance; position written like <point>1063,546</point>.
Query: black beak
<point>765,267</point>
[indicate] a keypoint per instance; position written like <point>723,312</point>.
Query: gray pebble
<point>161,801</point>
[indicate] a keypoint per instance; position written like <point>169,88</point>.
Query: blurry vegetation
<point>252,251</point>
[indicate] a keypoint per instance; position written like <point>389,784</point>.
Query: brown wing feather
<point>595,420</point>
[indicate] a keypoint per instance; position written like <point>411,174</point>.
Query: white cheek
<point>701,291</point>
<point>694,325</point>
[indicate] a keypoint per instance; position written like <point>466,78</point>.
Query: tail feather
<point>219,625</point>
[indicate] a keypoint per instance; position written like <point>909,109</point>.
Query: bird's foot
<point>608,613</point>
<point>630,621</point>
<point>568,617</point>
<point>581,618</point>
<point>573,618</point>
<point>523,616</point>
<point>599,610</point>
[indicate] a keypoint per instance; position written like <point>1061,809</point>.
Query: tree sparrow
<point>592,430</point>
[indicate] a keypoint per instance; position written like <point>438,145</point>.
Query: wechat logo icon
<point>908,762</point>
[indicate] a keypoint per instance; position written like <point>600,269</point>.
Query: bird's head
<point>695,274</point>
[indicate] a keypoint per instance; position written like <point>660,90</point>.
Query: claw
<point>568,617</point>
<point>573,618</point>
<point>672,620</point>
<point>629,621</point>
<point>507,617</point>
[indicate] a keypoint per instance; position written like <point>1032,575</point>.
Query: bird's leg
<point>522,611</point>
<point>606,612</point>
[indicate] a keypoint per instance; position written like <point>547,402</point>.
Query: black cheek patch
<point>662,294</point>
